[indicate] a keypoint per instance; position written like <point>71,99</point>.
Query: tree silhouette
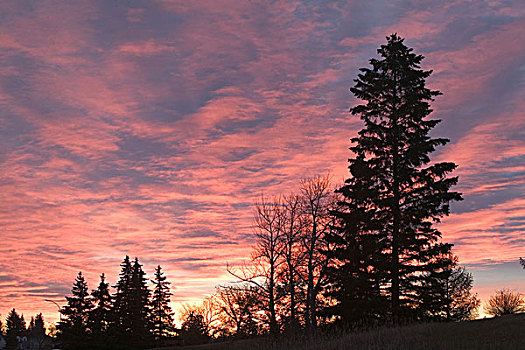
<point>239,306</point>
<point>161,313</point>
<point>267,258</point>
<point>464,305</point>
<point>15,327</point>
<point>37,331</point>
<point>209,309</point>
<point>140,307</point>
<point>193,330</point>
<point>123,300</point>
<point>292,254</point>
<point>505,302</point>
<point>399,195</point>
<point>317,200</point>
<point>447,293</point>
<point>100,316</point>
<point>74,325</point>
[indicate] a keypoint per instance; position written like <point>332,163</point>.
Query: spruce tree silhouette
<point>394,195</point>
<point>161,313</point>
<point>15,327</point>
<point>74,323</point>
<point>37,331</point>
<point>121,322</point>
<point>131,308</point>
<point>101,315</point>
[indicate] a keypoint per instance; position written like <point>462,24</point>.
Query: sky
<point>149,128</point>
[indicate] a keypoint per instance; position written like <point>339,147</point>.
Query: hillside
<point>501,333</point>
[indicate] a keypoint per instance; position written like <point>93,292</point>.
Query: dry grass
<point>504,333</point>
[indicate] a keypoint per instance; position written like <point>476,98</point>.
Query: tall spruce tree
<point>74,324</point>
<point>394,195</point>
<point>121,322</point>
<point>140,306</point>
<point>161,313</point>
<point>101,315</point>
<point>131,308</point>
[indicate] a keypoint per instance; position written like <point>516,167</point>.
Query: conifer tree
<point>394,195</point>
<point>121,307</point>
<point>140,303</point>
<point>101,315</point>
<point>131,308</point>
<point>161,313</point>
<point>37,331</point>
<point>74,324</point>
<point>15,327</point>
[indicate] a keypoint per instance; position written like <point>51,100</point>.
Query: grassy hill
<point>502,333</point>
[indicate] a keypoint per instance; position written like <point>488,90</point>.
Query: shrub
<point>505,302</point>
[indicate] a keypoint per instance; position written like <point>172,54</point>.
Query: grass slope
<point>501,333</point>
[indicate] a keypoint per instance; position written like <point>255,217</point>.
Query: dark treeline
<point>351,256</point>
<point>18,335</point>
<point>134,316</point>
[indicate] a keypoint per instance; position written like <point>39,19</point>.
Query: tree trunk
<point>395,210</point>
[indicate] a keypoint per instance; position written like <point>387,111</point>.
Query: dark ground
<point>503,333</point>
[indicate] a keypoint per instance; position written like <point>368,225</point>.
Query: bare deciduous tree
<point>318,198</point>
<point>291,251</point>
<point>267,257</point>
<point>239,307</point>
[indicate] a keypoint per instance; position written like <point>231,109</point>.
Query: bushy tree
<point>161,313</point>
<point>505,302</point>
<point>397,195</point>
<point>464,304</point>
<point>447,293</point>
<point>193,330</point>
<point>210,310</point>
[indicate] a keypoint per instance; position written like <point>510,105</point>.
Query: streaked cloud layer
<point>149,128</point>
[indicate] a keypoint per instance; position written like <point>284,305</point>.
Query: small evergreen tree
<point>74,325</point>
<point>162,315</point>
<point>15,327</point>
<point>394,196</point>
